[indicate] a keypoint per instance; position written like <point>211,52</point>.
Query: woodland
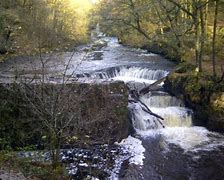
<point>37,117</point>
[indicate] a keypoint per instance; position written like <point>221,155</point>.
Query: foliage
<point>184,30</point>
<point>198,88</point>
<point>185,67</point>
<point>28,25</point>
<point>15,129</point>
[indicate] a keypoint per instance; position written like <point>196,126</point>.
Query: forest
<point>181,30</point>
<point>111,89</point>
<point>184,30</point>
<point>28,25</point>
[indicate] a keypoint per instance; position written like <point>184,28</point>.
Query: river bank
<point>201,92</point>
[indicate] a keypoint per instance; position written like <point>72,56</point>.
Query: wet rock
<point>98,45</point>
<point>97,161</point>
<point>95,55</point>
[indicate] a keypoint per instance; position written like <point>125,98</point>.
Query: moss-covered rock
<point>216,117</point>
<point>201,93</point>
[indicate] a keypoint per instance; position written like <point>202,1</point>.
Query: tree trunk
<point>55,143</point>
<point>214,37</point>
<point>197,42</point>
<point>206,21</point>
<point>202,39</point>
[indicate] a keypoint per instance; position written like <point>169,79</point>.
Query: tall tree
<point>216,5</point>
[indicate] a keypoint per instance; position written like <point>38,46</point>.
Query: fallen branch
<point>135,99</point>
<point>151,87</point>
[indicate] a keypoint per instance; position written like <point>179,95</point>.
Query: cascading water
<point>174,152</point>
<point>161,103</point>
<point>170,109</point>
<point>130,74</point>
<point>179,128</point>
<point>134,72</point>
<point>161,100</point>
<point>177,118</point>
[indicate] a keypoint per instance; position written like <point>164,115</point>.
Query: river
<point>178,151</point>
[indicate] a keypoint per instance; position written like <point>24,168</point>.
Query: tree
<point>176,26</point>
<point>216,5</point>
<point>53,106</point>
<point>53,24</point>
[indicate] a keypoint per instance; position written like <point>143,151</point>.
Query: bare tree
<point>53,105</point>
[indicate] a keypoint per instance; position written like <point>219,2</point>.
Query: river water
<point>178,151</point>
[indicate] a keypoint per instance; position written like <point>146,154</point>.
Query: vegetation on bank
<point>29,26</point>
<point>190,31</point>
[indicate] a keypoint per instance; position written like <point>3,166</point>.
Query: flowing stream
<point>178,151</point>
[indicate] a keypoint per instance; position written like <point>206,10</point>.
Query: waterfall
<point>161,100</point>
<point>128,74</point>
<point>98,28</point>
<point>179,129</point>
<point>160,103</point>
<point>170,108</point>
<point>141,120</point>
<point>142,73</point>
<point>173,114</point>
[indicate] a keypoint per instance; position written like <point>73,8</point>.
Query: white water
<point>177,120</point>
<point>161,100</point>
<point>187,138</point>
<point>142,120</point>
<point>134,146</point>
<point>113,42</point>
<point>131,74</point>
<point>179,132</point>
<point>133,151</point>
